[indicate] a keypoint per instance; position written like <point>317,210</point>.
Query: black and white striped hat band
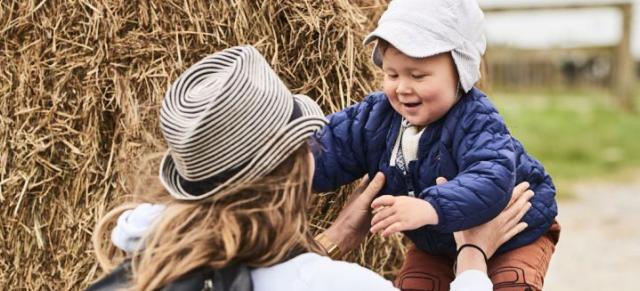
<point>229,119</point>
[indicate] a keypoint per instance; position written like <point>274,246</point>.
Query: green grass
<point>576,135</point>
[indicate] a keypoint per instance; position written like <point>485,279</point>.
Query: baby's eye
<point>418,76</point>
<point>392,76</point>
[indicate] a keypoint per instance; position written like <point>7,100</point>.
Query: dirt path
<point>599,246</point>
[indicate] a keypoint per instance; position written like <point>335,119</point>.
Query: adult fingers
<point>364,182</point>
<point>515,209</point>
<point>518,190</point>
<point>384,200</point>
<point>516,229</point>
<point>518,217</point>
<point>374,186</point>
<point>441,180</point>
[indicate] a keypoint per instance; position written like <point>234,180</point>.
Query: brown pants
<point>521,269</point>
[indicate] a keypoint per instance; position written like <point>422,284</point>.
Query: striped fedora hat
<point>230,120</point>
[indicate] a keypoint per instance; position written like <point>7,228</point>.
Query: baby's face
<point>421,90</point>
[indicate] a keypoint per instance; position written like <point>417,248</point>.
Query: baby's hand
<point>393,214</point>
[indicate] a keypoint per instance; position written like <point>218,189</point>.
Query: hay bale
<point>81,83</point>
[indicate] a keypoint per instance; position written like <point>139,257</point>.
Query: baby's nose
<point>403,88</point>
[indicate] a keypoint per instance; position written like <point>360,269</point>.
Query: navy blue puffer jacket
<point>470,146</point>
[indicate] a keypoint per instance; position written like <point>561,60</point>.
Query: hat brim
<point>415,45</point>
<point>277,149</point>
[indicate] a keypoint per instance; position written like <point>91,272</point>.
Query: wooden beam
<point>553,6</point>
<point>624,75</point>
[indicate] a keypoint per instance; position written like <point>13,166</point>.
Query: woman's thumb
<point>375,185</point>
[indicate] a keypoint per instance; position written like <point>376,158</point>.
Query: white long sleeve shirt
<point>313,272</point>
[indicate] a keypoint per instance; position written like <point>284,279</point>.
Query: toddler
<point>428,122</point>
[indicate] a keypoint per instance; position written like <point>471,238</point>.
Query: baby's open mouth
<point>411,105</point>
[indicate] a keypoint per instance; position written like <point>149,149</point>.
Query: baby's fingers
<point>393,228</point>
<point>384,200</point>
<point>381,213</point>
<point>383,224</point>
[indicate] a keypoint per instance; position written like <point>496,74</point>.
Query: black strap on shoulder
<point>233,278</point>
<point>118,279</point>
<point>230,278</point>
<point>237,277</point>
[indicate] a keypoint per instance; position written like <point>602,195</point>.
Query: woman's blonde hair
<point>258,224</point>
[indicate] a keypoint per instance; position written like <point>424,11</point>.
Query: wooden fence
<point>549,69</point>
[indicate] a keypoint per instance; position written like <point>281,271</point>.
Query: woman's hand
<point>352,224</point>
<point>491,235</point>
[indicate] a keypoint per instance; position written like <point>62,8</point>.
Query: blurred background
<point>81,83</point>
<point>565,76</point>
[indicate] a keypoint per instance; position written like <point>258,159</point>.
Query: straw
<point>80,87</point>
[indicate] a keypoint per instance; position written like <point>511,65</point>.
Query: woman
<point>236,191</point>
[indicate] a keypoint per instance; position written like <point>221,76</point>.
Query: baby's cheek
<point>437,99</point>
<point>438,109</point>
<point>390,93</point>
<point>393,99</point>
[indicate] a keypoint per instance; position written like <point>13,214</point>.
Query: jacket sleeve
<point>485,156</point>
<point>340,148</point>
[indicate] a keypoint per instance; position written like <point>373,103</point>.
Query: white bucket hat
<point>230,120</point>
<point>421,28</point>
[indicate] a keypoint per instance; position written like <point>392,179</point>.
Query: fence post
<point>624,75</point>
